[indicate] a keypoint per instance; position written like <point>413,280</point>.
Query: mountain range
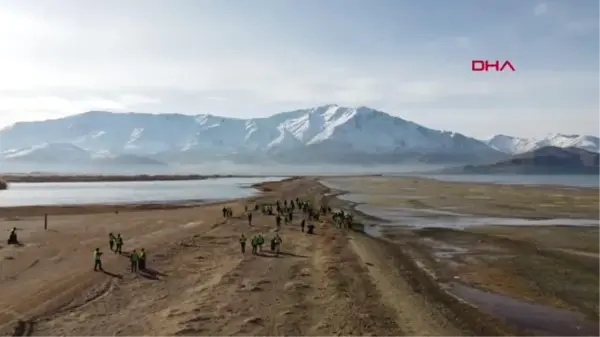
<point>544,160</point>
<point>324,134</point>
<point>516,145</point>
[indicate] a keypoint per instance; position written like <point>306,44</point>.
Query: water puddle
<point>529,316</point>
<point>373,230</point>
<point>443,250</point>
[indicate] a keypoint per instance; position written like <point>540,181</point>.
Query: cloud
<point>64,60</point>
<point>540,9</point>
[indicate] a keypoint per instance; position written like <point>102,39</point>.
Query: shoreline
<point>73,178</point>
<point>14,213</point>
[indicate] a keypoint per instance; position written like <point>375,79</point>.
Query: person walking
<point>97,259</point>
<point>243,243</point>
<point>133,258</point>
<point>119,243</point>
<point>277,243</point>
<point>254,243</point>
<point>261,241</point>
<point>111,241</point>
<point>142,259</point>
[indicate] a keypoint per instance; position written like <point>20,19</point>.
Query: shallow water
<point>539,318</point>
<point>422,218</point>
<point>26,194</point>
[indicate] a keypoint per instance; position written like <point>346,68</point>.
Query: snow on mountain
<point>515,145</point>
<point>315,133</point>
<point>66,153</point>
<point>46,152</point>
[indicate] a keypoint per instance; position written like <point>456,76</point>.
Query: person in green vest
<point>111,241</point>
<point>254,243</point>
<point>142,259</point>
<point>259,242</point>
<point>277,243</point>
<point>243,243</point>
<point>97,259</point>
<point>134,258</point>
<point>119,243</point>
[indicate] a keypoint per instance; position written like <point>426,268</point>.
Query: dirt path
<point>415,315</point>
<point>200,283</point>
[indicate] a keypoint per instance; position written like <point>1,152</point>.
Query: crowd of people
<point>283,212</point>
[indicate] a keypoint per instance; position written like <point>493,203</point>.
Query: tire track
<point>97,294</point>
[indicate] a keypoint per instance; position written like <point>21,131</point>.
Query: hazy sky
<point>254,58</point>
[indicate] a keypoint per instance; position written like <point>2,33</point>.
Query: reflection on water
<point>528,316</point>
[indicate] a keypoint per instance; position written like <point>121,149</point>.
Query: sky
<point>247,59</point>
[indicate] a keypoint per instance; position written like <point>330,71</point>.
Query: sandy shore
<point>337,282</point>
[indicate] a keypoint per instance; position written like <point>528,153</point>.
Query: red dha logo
<point>484,65</point>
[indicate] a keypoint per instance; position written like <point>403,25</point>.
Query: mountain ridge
<point>323,134</point>
<point>515,145</point>
<point>544,160</point>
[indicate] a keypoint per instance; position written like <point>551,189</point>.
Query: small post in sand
<point>45,220</point>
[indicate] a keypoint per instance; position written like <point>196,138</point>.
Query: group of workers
<point>115,243</point>
<point>284,210</point>
<point>257,242</point>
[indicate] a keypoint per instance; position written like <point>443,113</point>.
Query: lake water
<point>26,194</point>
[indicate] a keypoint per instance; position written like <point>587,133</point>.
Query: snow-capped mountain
<point>328,133</point>
<point>515,145</point>
<point>66,153</point>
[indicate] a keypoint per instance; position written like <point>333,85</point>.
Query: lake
<point>27,194</point>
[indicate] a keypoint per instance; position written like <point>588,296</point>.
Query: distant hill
<point>545,160</point>
<point>516,145</point>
